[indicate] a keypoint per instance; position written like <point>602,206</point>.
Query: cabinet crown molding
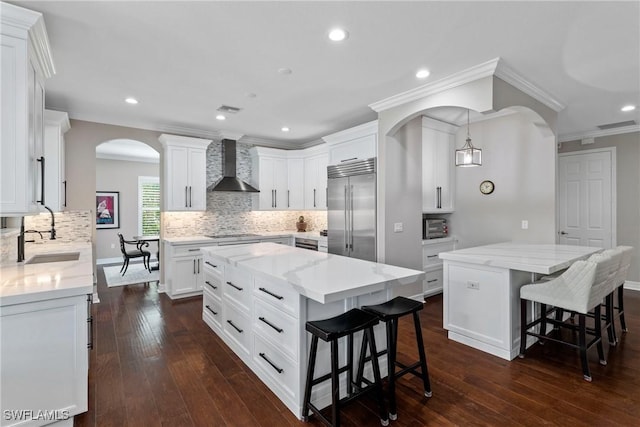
<point>27,24</point>
<point>359,131</point>
<point>57,118</point>
<point>185,141</point>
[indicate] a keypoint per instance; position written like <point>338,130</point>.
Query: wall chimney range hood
<point>229,181</point>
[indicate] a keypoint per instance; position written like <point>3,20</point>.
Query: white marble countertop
<point>23,283</point>
<point>319,276</point>
<point>438,240</point>
<point>534,258</point>
<point>315,235</point>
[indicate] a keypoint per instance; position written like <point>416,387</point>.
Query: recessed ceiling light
<point>221,117</point>
<point>285,129</point>
<point>131,100</point>
<point>251,95</point>
<point>285,71</point>
<point>338,34</point>
<point>628,108</point>
<point>422,74</point>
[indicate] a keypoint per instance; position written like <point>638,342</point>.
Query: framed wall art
<point>107,209</point>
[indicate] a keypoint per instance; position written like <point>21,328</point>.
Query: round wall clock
<point>487,187</point>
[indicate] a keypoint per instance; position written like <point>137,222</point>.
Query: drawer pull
<point>209,283</point>
<point>279,330</point>
<point>212,265</point>
<point>432,256</point>
<point>432,280</point>
<point>215,313</point>
<point>234,286</point>
<point>193,250</point>
<point>271,293</point>
<point>234,326</point>
<point>273,365</point>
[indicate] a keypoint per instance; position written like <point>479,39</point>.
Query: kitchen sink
<point>57,257</point>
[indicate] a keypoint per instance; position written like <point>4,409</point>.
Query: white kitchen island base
<point>482,291</point>
<point>258,298</point>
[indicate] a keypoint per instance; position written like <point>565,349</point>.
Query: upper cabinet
<point>357,143</point>
<point>295,178</point>
<point>56,125</point>
<point>438,170</point>
<point>270,175</point>
<point>26,63</point>
<point>185,173</point>
<point>315,178</point>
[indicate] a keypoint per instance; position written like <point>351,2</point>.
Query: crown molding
<point>234,136</point>
<point>509,75</point>
<point>598,133</point>
<point>352,133</point>
<point>186,141</point>
<point>496,67</point>
<point>57,118</point>
<point>485,69</point>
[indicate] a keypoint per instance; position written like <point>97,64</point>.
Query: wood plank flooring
<point>156,363</point>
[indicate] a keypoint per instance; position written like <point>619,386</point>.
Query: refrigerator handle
<point>351,219</point>
<point>346,224</point>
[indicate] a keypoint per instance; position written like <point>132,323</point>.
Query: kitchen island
<point>482,290</point>
<point>258,297</point>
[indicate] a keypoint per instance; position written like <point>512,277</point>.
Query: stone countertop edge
<point>24,283</point>
<point>314,292</point>
<point>188,240</point>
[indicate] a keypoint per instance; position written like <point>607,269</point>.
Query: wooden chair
<point>133,253</point>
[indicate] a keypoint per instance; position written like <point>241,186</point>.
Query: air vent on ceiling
<point>617,125</point>
<point>229,109</point>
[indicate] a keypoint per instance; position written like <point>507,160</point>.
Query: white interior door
<point>586,198</point>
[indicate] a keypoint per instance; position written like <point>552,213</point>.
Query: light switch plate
<point>525,224</point>
<point>397,227</point>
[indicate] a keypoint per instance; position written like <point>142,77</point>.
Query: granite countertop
<point>535,258</point>
<point>23,283</point>
<point>319,276</point>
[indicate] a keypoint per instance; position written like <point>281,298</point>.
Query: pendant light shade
<point>468,155</point>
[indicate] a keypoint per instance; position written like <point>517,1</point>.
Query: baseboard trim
<point>633,286</point>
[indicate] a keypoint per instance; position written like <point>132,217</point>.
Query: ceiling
<point>184,60</point>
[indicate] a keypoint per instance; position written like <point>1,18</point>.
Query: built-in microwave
<point>434,228</point>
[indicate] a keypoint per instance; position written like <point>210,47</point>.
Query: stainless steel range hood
<point>229,181</point>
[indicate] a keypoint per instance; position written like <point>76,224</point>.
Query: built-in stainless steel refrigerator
<point>351,200</point>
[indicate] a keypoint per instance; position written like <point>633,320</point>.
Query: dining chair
<point>133,253</point>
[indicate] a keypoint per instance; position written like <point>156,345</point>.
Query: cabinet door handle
<point>190,197</point>
<point>432,256</point>
<point>279,330</point>
<point>41,160</point>
<point>234,326</point>
<point>288,199</point>
<point>314,197</point>
<point>198,265</point>
<point>194,250</point>
<point>234,286</point>
<point>276,296</point>
<point>186,196</point>
<point>432,280</point>
<point>209,283</point>
<point>212,265</point>
<point>65,193</point>
<point>194,266</point>
<point>273,365</point>
<point>215,313</point>
<point>90,321</point>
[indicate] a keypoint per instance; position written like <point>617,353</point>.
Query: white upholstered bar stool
<point>618,283</point>
<point>581,288</point>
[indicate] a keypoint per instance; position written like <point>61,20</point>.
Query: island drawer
<point>282,372</point>
<point>276,326</point>
<point>212,311</point>
<point>237,286</point>
<point>281,296</point>
<point>213,265</point>
<point>237,330</point>
<point>213,284</point>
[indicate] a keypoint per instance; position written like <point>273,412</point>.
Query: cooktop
<point>222,236</point>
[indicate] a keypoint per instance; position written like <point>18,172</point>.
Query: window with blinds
<point>148,205</point>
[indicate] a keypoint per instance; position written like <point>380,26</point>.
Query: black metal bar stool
<point>389,312</point>
<point>330,330</point>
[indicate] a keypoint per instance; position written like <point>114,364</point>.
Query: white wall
<point>522,165</point>
<point>121,176</point>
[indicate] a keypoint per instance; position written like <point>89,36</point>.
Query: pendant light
<point>468,155</point>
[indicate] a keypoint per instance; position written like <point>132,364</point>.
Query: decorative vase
<point>301,225</point>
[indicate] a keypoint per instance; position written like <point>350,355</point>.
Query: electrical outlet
<point>397,227</point>
<point>113,246</point>
<point>525,224</point>
<point>473,285</point>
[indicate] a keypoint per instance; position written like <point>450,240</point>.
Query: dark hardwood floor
<point>155,362</point>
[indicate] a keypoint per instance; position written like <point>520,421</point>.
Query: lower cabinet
<point>44,360</point>
<point>184,269</point>
<point>432,264</point>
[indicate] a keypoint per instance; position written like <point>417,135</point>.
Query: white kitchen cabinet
<point>56,383</point>
<point>432,264</point>
<point>295,179</point>
<point>269,175</point>
<point>357,143</point>
<point>184,269</point>
<point>185,173</point>
<point>438,170</point>
<point>56,125</point>
<point>315,181</point>
<point>26,63</point>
